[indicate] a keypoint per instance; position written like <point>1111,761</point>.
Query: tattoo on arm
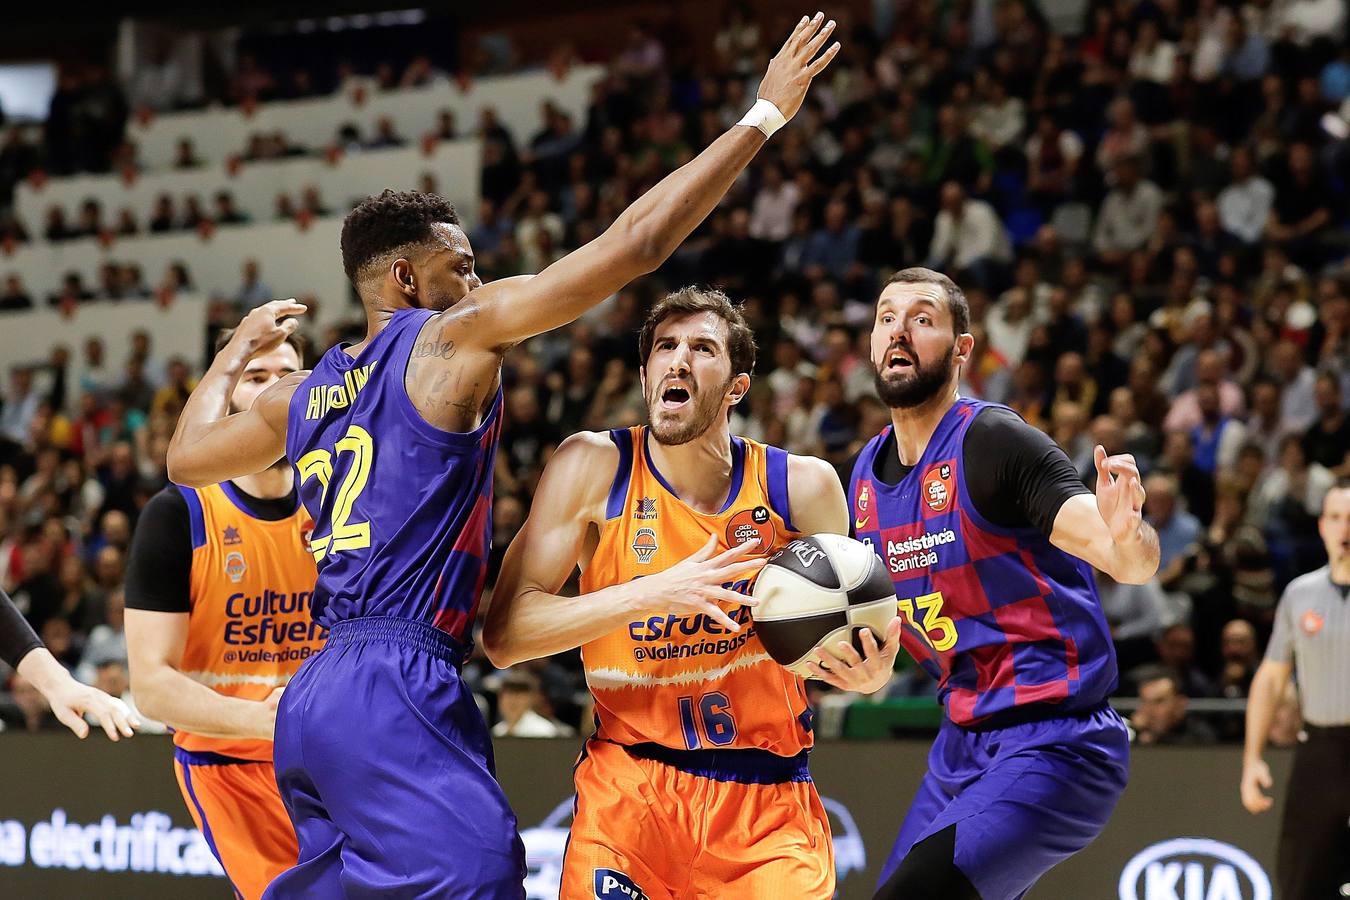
<point>437,349</point>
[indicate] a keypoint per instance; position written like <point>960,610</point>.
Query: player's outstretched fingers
<point>744,567</point>
<point>726,595</point>
<point>824,60</point>
<point>818,39</point>
<point>894,629</point>
<point>706,551</point>
<point>288,307</point>
<point>72,720</point>
<point>869,641</point>
<point>719,615</point>
<point>820,673</point>
<point>745,548</point>
<point>1136,492</point>
<point>800,33</point>
<point>125,719</point>
<point>846,653</point>
<point>1123,465</point>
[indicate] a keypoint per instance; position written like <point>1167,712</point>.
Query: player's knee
<point>929,872</point>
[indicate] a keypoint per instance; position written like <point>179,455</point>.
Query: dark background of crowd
<point>1149,218</point>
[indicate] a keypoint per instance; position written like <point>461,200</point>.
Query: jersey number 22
<point>344,533</point>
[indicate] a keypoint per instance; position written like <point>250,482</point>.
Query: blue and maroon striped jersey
<point>402,510</point>
<point>1000,617</point>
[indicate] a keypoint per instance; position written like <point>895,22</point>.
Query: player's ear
<point>402,272</point>
<point>740,386</point>
<point>965,345</point>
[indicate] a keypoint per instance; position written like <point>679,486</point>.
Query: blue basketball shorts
<point>385,766</point>
<point>1023,797</point>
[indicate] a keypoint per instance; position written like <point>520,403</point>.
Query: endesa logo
<point>1193,869</point>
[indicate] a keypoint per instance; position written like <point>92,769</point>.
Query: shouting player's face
<point>445,275</point>
<point>262,372</point>
<point>687,381</point>
<point>914,349</point>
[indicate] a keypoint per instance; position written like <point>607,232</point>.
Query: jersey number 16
<point>713,712</point>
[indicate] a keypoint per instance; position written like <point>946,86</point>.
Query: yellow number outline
<point>931,607</point>
<point>345,534</point>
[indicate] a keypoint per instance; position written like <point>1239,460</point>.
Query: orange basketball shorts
<point>238,809</point>
<point>675,825</point>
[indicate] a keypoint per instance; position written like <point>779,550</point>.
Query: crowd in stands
<point>1148,217</point>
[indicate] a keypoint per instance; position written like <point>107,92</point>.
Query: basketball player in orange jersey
<point>218,596</point>
<point>695,784</point>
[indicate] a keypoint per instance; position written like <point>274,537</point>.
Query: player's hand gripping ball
<point>817,590</point>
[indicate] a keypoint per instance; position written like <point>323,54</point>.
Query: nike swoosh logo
<point>861,523</point>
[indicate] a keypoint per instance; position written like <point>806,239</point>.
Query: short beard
<point>706,410</point>
<point>917,390</point>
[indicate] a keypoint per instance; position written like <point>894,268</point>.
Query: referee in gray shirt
<point>1312,631</point>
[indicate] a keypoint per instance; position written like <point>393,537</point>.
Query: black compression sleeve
<point>159,569</point>
<point>17,637</point>
<point>1017,476</point>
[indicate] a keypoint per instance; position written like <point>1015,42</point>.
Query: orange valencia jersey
<point>685,682</point>
<point>249,627</point>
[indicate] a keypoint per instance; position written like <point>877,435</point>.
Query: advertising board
<point>100,820</point>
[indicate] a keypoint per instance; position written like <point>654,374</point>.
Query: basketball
<point>821,588</point>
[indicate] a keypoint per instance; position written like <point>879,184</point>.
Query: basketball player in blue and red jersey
<point>695,783</point>
<point>990,538</point>
<point>382,757</point>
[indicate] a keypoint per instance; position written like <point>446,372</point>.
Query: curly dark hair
<point>740,339</point>
<point>393,220</point>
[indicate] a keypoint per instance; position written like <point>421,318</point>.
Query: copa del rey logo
<point>937,487</point>
<point>1193,869</point>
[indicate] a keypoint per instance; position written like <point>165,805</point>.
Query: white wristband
<point>764,116</point>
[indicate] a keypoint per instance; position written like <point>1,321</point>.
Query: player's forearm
<point>1262,701</point>
<point>43,671</point>
<point>660,220</point>
<point>648,232</point>
<point>208,403</point>
<point>541,624</point>
<point>17,638</point>
<point>186,705</point>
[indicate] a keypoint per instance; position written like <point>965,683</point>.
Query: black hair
<point>390,221</point>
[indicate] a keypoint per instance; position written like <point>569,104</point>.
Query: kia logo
<point>1193,869</point>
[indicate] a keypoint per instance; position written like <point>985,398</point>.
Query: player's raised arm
<point>1109,531</point>
<point>528,618</point>
<point>210,445</point>
<point>648,232</point>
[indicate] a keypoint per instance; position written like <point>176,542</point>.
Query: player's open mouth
<point>898,359</point>
<point>674,397</point>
